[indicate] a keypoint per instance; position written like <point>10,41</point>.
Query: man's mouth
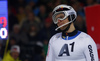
<point>60,24</point>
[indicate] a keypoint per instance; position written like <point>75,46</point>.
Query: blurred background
<point>31,26</point>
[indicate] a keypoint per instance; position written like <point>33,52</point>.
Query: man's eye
<point>61,17</point>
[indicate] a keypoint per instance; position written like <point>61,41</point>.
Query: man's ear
<point>71,17</point>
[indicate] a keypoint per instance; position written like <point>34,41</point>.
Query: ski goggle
<point>59,16</point>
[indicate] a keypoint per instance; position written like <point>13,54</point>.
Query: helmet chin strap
<point>63,25</point>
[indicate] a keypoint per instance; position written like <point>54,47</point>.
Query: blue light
<point>3,13</point>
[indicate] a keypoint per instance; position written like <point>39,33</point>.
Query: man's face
<point>61,22</point>
<point>15,55</point>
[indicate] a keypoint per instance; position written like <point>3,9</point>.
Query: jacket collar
<point>69,36</point>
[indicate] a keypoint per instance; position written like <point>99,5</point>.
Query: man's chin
<point>62,28</point>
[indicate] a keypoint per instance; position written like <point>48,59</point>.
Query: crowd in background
<point>31,25</point>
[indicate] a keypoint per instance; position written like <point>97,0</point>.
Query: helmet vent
<point>61,9</point>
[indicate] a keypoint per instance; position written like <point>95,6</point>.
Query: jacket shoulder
<point>54,37</point>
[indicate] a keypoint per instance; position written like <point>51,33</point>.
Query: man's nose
<point>59,20</point>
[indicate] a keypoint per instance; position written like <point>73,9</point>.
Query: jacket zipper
<point>67,37</point>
